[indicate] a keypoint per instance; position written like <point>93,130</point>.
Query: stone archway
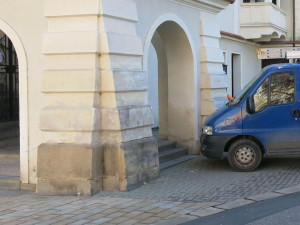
<point>23,101</point>
<point>169,49</point>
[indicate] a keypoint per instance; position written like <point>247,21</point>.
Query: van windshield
<point>241,95</point>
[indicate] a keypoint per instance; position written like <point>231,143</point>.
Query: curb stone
<point>234,204</point>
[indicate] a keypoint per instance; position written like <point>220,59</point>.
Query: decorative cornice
<point>238,38</point>
<point>232,35</point>
<point>213,6</point>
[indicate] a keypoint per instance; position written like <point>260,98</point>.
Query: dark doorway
<point>9,116</point>
<point>9,81</point>
<point>236,77</point>
<point>267,62</point>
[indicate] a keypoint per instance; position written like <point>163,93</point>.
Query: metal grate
<point>9,81</point>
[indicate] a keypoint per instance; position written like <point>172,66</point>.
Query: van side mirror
<point>250,105</point>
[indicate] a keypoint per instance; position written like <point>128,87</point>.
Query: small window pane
<point>261,96</point>
<point>282,89</point>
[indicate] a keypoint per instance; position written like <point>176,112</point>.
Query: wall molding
<point>212,6</point>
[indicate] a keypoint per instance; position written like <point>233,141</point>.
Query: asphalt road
<point>277,211</point>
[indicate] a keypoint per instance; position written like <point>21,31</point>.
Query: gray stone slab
<point>234,204</point>
<point>102,220</point>
<point>206,212</point>
<point>289,190</point>
<point>264,196</point>
<point>176,220</point>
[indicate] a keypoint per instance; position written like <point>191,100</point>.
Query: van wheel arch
<point>256,140</point>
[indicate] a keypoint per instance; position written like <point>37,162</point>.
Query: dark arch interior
<point>9,116</point>
<point>9,81</point>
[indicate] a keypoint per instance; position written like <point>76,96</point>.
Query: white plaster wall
<point>229,19</point>
<point>26,18</point>
<point>250,64</point>
<point>287,6</point>
<point>153,84</point>
<point>297,20</point>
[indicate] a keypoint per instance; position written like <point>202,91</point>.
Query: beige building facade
<point>95,76</point>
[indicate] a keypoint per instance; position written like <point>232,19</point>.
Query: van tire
<point>244,155</point>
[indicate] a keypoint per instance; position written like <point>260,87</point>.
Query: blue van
<point>263,120</point>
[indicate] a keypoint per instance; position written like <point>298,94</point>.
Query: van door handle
<point>296,112</point>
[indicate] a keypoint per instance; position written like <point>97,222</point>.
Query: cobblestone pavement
<point>185,192</point>
<point>205,180</point>
<point>28,208</point>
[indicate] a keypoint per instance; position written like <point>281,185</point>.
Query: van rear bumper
<point>213,146</point>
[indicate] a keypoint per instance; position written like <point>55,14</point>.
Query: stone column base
<point>69,169</point>
<point>130,164</point>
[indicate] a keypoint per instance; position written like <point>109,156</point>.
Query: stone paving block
<point>5,211</point>
<point>48,212</point>
<point>31,222</point>
<point>206,212</point>
<point>96,216</point>
<point>116,214</point>
<point>164,214</point>
<point>204,205</point>
<point>234,204</point>
<point>101,220</point>
<point>133,214</point>
<point>147,208</point>
<point>141,204</point>
<point>47,217</point>
<point>73,212</point>
<point>172,216</point>
<point>131,209</point>
<point>143,216</point>
<point>93,206</point>
<point>150,220</point>
<point>110,211</point>
<point>129,222</point>
<point>9,215</point>
<point>120,220</point>
<point>167,206</point>
<point>176,220</point>
<point>64,222</point>
<point>158,210</point>
<point>80,222</point>
<point>13,223</point>
<point>59,218</point>
<point>185,211</point>
<point>96,210</point>
<point>47,222</point>
<point>264,196</point>
<point>159,204</point>
<point>290,190</point>
<point>80,216</point>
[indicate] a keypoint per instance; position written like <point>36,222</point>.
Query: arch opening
<point>171,70</point>
<point>9,110</point>
<point>14,102</point>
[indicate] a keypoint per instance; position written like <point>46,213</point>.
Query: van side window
<point>261,96</point>
<point>282,89</point>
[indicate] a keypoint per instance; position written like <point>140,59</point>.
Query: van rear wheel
<point>244,155</point>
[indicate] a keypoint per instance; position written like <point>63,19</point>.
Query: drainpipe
<point>294,23</point>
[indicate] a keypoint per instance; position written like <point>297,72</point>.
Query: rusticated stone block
<point>69,169</point>
<point>129,165</point>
